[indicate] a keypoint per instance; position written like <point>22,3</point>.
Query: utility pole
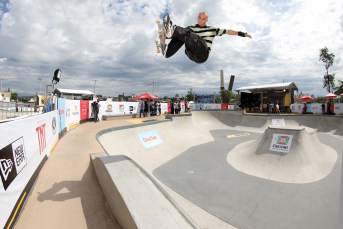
<point>94,85</point>
<point>1,83</point>
<point>40,81</point>
<point>153,87</point>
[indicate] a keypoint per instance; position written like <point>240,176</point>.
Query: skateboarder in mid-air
<point>197,38</point>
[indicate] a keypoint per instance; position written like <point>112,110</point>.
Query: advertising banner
<point>231,107</point>
<point>61,114</point>
<point>72,113</point>
<point>164,108</point>
<point>225,106</point>
<point>296,108</point>
<point>308,107</point>
<point>191,106</point>
<point>118,108</point>
<point>338,108</point>
<point>212,106</point>
<point>183,107</point>
<point>204,98</point>
<point>316,108</point>
<point>21,153</point>
<point>197,106</point>
<point>150,139</point>
<point>281,143</point>
<point>84,108</point>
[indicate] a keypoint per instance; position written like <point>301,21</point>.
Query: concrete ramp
<point>307,161</point>
<point>135,199</point>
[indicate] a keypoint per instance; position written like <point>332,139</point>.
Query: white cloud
<point>114,42</point>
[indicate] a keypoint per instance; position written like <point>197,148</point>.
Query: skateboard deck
<point>161,45</point>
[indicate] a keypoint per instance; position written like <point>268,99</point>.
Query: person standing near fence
<point>142,106</point>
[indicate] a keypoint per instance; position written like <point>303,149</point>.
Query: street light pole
<point>40,81</point>
<point>94,84</point>
<point>153,87</point>
<point>1,83</point>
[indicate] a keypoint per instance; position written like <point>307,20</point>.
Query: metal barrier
<point>13,109</point>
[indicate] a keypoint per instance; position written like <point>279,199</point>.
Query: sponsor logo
<point>151,138</point>
<point>281,143</point>
<point>299,107</point>
<point>68,112</point>
<point>121,108</point>
<point>337,108</point>
<point>61,111</point>
<point>41,138</point>
<point>76,112</point>
<point>54,126</point>
<point>84,110</point>
<point>109,108</point>
<point>278,122</point>
<point>12,161</point>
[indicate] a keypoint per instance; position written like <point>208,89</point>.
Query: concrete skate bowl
<point>301,189</point>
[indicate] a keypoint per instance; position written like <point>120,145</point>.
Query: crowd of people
<point>154,108</point>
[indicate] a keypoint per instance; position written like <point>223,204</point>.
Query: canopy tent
<point>330,95</point>
<point>146,96</point>
<point>305,98</point>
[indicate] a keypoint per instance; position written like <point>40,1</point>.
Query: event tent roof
<point>72,92</point>
<point>279,86</point>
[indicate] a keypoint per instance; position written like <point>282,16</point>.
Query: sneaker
<point>169,26</point>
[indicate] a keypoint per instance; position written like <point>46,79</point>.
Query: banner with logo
<point>183,108</point>
<point>118,108</point>
<point>281,143</point>
<point>24,145</point>
<point>84,110</point>
<point>212,106</point>
<point>225,106</point>
<point>72,113</point>
<point>338,108</point>
<point>61,114</point>
<point>197,106</point>
<point>164,108</point>
<point>191,106</point>
<point>297,108</point>
<point>316,108</point>
<point>150,139</point>
<point>231,107</point>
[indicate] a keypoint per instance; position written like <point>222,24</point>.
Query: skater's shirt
<point>208,33</point>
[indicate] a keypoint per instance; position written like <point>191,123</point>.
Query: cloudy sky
<point>113,41</point>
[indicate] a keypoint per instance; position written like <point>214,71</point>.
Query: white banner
<point>231,107</point>
<point>338,108</point>
<point>281,143</point>
<point>316,108</point>
<point>23,145</point>
<point>210,106</point>
<point>72,115</point>
<point>164,108</point>
<point>297,108</point>
<point>191,106</point>
<point>118,108</point>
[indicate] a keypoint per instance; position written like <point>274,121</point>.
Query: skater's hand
<point>247,35</point>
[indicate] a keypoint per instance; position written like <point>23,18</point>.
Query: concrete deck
<point>68,195</point>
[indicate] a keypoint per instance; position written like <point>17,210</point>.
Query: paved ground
<point>67,193</point>
<point>204,177</point>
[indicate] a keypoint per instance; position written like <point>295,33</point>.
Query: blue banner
<point>61,114</point>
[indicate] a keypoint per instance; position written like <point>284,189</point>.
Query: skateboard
<point>161,47</point>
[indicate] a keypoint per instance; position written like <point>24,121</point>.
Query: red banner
<point>225,106</point>
<point>169,109</point>
<point>84,109</point>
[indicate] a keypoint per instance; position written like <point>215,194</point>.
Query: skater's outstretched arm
<point>232,32</point>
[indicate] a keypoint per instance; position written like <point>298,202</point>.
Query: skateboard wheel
<point>156,41</point>
<point>158,51</point>
<point>160,32</point>
<point>158,21</point>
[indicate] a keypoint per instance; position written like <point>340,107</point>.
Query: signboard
<point>281,143</point>
<point>150,139</point>
<point>278,122</point>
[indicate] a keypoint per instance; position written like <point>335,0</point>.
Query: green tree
<point>319,99</point>
<point>226,95</point>
<point>165,98</point>
<point>14,96</point>
<point>328,59</point>
<point>339,89</point>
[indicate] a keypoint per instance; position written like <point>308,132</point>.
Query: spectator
<point>261,107</point>
<point>323,108</point>
<point>146,108</point>
<point>176,107</point>
<point>277,108</point>
<point>142,106</point>
<point>172,107</point>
